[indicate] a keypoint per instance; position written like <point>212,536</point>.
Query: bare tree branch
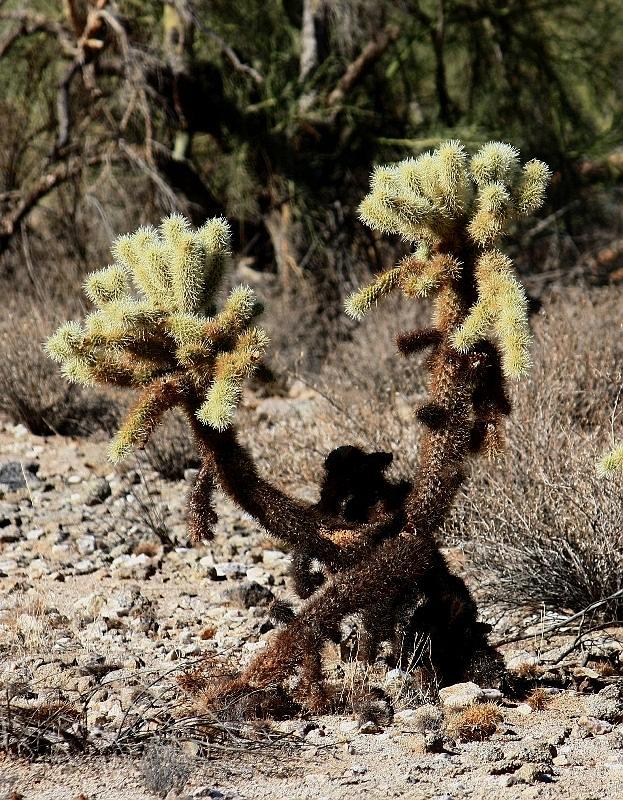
<point>357,68</point>
<point>229,52</point>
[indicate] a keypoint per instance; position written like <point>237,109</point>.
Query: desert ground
<point>106,607</point>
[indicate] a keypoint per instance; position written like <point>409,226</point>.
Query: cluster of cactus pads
<point>367,548</point>
<point>165,341</point>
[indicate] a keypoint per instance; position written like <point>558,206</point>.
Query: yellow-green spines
<point>239,309</point>
<point>186,328</point>
<point>215,236</point>
<point>77,370</point>
<point>452,176</point>
<point>442,200</point>
<point>360,302</point>
<point>495,161</point>
<point>220,404</point>
<point>106,285</point>
<point>162,341</point>
<point>501,309</point>
<point>66,342</point>
<point>530,190</point>
<point>612,462</point>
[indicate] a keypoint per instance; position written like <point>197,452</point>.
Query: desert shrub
<point>171,450</point>
<point>164,767</point>
<point>31,390</point>
<point>475,723</point>
<point>545,528</point>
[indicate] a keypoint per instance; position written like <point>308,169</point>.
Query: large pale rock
<point>460,695</point>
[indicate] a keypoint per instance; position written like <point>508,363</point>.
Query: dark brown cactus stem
<point>296,524</point>
<point>396,566</point>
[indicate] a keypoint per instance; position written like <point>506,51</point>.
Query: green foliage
<point>443,198</point>
<point>612,462</point>
<point>164,341</point>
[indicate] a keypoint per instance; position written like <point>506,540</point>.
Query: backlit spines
<point>164,333</point>
<point>612,462</point>
<point>442,201</point>
<point>531,187</point>
<point>501,312</point>
<point>360,302</point>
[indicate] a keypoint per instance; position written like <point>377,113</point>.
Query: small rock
<point>250,593</point>
<point>596,727</point>
<point>520,659</point>
<point>370,727</point>
<point>86,545</point>
<point>460,695</point>
<point>493,755</point>
<point>130,566</point>
<point>531,773</point>
<point>273,558</point>
<point>423,719</point>
<point>230,570</point>
<point>97,491</point>
<point>607,704</point>
<point>396,677</point>
<point>524,709</point>
<point>84,567</point>
<point>16,475</point>
<point>87,608</point>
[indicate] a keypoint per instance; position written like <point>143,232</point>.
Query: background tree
<point>252,109</point>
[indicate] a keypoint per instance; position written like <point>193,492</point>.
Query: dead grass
<point>32,390</point>
<point>475,723</point>
<point>540,526</point>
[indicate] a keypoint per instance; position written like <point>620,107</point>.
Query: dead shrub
<point>538,699</point>
<point>165,767</point>
<point>32,391</point>
<point>539,525</point>
<point>475,723</point>
<point>171,451</point>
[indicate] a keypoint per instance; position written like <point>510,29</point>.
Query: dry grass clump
<point>475,723</point>
<point>538,699</point>
<point>32,392</point>
<point>542,527</point>
<point>165,768</point>
<point>170,451</point>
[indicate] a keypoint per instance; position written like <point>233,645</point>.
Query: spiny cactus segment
<point>612,462</point>
<point>443,201</point>
<point>155,328</point>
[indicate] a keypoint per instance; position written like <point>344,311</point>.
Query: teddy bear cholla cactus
<point>154,330</point>
<point>378,560</point>
<point>164,342</point>
<point>455,210</point>
<point>442,200</point>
